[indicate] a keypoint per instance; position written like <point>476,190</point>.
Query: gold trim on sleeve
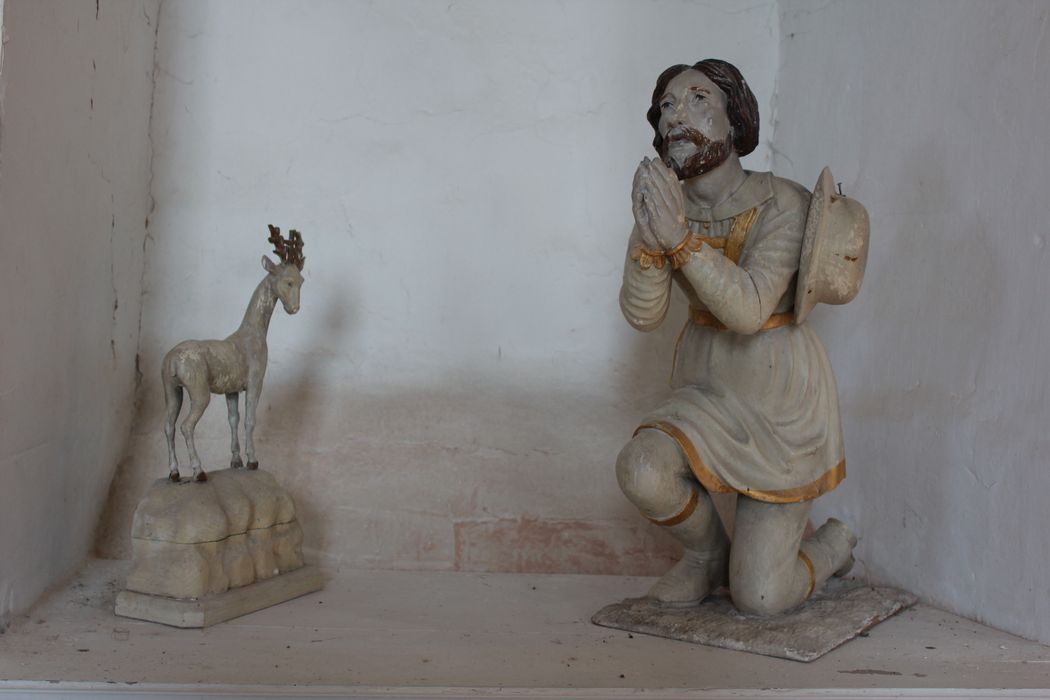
<point>647,258</point>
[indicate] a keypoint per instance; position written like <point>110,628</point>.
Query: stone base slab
<point>833,616</point>
<point>221,606</point>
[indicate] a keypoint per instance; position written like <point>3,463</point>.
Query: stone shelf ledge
<point>401,634</point>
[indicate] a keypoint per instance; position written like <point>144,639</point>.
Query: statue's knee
<point>646,478</point>
<point>761,596</point>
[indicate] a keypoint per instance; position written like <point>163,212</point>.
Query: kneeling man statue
<point>754,409</point>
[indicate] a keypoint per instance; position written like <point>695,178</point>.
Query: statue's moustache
<point>686,133</point>
<point>681,134</point>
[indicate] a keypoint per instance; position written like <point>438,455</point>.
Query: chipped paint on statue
<point>233,365</point>
<point>754,407</point>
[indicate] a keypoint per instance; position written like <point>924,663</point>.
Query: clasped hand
<point>659,205</point>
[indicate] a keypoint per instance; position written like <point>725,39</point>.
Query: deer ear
<point>269,265</point>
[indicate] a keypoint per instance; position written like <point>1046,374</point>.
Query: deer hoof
<point>253,465</point>
<point>201,476</point>
<point>174,475</point>
<point>236,463</point>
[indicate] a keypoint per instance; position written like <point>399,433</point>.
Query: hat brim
<point>805,290</point>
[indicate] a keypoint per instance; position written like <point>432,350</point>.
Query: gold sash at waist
<point>703,317</point>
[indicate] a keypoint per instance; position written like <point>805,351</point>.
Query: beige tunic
<point>755,411</point>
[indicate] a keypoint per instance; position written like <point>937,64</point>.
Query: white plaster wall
<point>934,115</point>
<point>74,172</point>
<point>455,390</point>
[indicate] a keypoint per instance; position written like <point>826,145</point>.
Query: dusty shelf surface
<point>414,634</point>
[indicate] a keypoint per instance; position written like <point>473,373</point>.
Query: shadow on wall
<point>912,416</point>
<point>305,388</point>
<point>504,471</point>
<point>481,472</point>
<point>483,478</point>
<point>471,473</point>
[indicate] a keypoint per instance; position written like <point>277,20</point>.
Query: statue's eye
<point>698,97</point>
<point>666,104</point>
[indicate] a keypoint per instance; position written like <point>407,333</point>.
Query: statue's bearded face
<point>697,135</point>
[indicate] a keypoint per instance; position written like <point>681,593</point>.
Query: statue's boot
<point>705,564</point>
<point>830,550</point>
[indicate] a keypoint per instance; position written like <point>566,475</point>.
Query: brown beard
<point>709,154</point>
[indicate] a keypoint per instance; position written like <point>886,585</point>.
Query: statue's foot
<point>236,463</point>
<point>691,580</point>
<point>201,476</point>
<point>174,475</point>
<point>841,540</point>
<point>253,465</point>
<point>845,568</point>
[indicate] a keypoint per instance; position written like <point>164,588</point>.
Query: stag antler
<point>289,250</point>
<point>295,243</point>
<point>278,243</point>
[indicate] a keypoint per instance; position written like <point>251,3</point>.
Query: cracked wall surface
<point>76,84</point>
<point>933,115</point>
<point>457,385</point>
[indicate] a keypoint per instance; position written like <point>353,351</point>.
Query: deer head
<point>286,277</point>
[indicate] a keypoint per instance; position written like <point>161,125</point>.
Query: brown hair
<point>741,106</point>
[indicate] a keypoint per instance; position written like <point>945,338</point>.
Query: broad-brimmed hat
<point>834,249</point>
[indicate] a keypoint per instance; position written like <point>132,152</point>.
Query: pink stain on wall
<point>561,546</point>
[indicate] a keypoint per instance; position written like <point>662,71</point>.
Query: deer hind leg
<point>173,405</point>
<point>199,398</point>
<point>235,446</point>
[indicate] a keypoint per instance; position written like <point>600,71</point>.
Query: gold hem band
<point>694,498</point>
<point>826,482</point>
<point>706,477</point>
<point>812,572</point>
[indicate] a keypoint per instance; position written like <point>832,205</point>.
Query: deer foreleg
<point>251,402</point>
<point>235,445</point>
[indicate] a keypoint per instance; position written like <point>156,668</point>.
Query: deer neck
<point>260,309</point>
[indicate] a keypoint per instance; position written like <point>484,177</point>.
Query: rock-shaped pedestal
<point>208,551</point>
<point>835,614</point>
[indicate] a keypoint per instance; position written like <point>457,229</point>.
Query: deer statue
<point>233,365</point>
